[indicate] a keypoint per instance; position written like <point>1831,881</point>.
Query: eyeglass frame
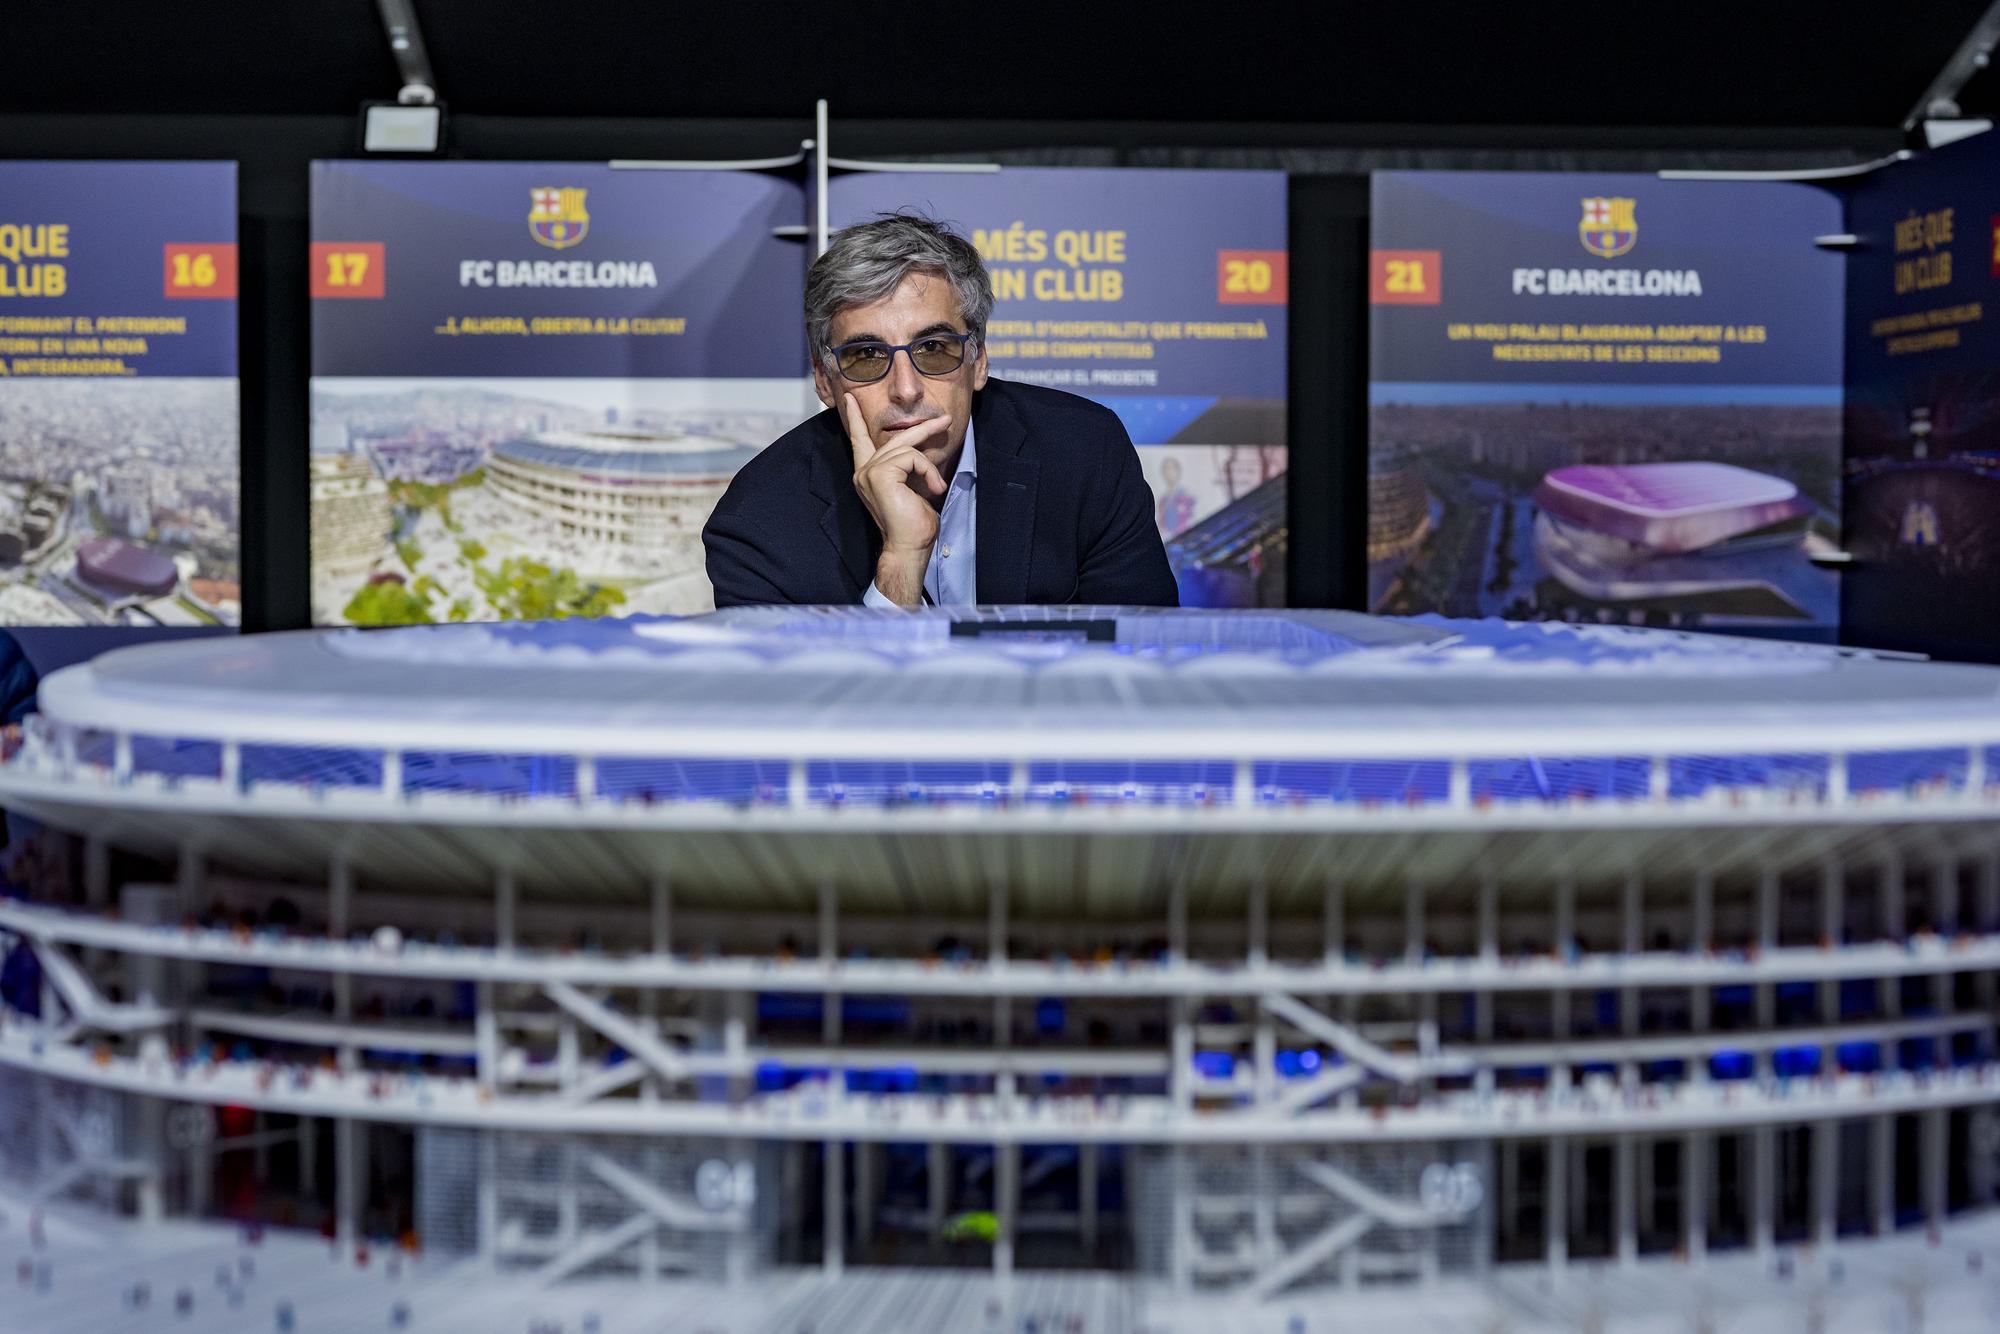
<point>964,342</point>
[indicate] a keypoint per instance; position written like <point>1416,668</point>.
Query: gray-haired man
<point>924,481</point>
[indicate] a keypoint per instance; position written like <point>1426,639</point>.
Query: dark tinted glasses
<point>933,354</point>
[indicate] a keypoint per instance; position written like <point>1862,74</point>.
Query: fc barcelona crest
<point>556,216</point>
<point>1608,228</point>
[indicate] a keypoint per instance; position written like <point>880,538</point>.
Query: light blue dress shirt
<point>952,578</point>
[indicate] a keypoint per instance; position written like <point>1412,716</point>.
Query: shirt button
<point>945,551</point>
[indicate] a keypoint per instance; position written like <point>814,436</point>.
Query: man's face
<point>923,303</point>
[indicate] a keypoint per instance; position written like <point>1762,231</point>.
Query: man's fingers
<point>923,430</point>
<point>930,472</point>
<point>858,438</point>
<point>906,462</point>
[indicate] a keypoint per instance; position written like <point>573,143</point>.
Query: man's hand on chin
<point>896,483</point>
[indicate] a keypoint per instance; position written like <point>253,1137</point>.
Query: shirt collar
<point>968,460</point>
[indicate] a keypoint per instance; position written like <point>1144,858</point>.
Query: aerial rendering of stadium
<point>643,495</point>
<point>1094,968</point>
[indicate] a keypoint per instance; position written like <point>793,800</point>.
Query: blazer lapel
<point>845,521</point>
<point>1006,516</point>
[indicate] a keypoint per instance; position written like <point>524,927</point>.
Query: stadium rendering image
<point>1097,968</point>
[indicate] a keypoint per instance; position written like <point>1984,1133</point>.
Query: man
<point>924,482</point>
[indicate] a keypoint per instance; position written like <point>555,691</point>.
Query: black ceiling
<point>1750,63</point>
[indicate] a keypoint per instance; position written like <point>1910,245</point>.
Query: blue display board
<point>531,381</point>
<point>1604,398</point>
<point>119,455</point>
<point>1162,295</point>
<point>1923,405</point>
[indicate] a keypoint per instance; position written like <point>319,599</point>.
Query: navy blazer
<point>1064,513</point>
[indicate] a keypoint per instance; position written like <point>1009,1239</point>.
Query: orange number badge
<point>1251,277</point>
<point>348,269</point>
<point>1405,277</point>
<point>202,272</point>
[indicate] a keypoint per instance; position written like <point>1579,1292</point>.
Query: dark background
<point>1325,92</point>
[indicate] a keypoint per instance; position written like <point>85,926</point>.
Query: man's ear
<point>979,368</point>
<point>824,387</point>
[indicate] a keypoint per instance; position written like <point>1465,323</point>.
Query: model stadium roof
<point>630,453</point>
<point>1090,753</point>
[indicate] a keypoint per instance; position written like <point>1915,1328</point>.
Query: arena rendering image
<point>1222,970</point>
<point>497,500</point>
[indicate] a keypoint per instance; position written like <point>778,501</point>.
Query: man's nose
<point>905,384</point>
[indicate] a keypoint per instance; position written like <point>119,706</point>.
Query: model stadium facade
<point>631,491</point>
<point>1251,952</point>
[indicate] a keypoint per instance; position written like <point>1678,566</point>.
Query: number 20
<point>1246,275</point>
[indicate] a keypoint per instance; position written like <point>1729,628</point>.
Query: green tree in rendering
<point>386,603</point>
<point>527,590</point>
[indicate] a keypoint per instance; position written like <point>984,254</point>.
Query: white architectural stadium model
<point>1110,969</point>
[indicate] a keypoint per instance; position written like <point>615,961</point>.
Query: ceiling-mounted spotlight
<point>414,122</point>
<point>393,127</point>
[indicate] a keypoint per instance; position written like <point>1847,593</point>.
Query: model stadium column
<point>1694,1193</point>
<point>1703,938</point>
<point>937,1185</point>
<point>1932,1132</point>
<point>96,871</point>
<point>1256,955</point>
<point>1003,1019</point>
<point>1482,998</point>
<point>506,903</point>
<point>866,1178</point>
<point>1762,1187</point>
<point>1882,1173</point>
<point>1333,921</point>
<point>1767,940</point>
<point>1979,1134</point>
<point>1646,1158</point>
<point>1825,1181</point>
<point>489,1197</point>
<point>1413,920</point>
<point>1832,919</point>
<point>1634,942</point>
<point>829,959</point>
<point>339,924</point>
<point>1988,982</point>
<point>1007,1204</point>
<point>1555,1203</point>
<point>347,1181</point>
<point>486,1035</point>
<point>1257,924</point>
<point>1625,1199</point>
<point>1264,1053</point>
<point>1889,877</point>
<point>1086,1197</point>
<point>1559,999</point>
<point>662,891</point>
<point>190,889</point>
<point>1945,919</point>
<point>833,1210</point>
<point>1180,1230</point>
